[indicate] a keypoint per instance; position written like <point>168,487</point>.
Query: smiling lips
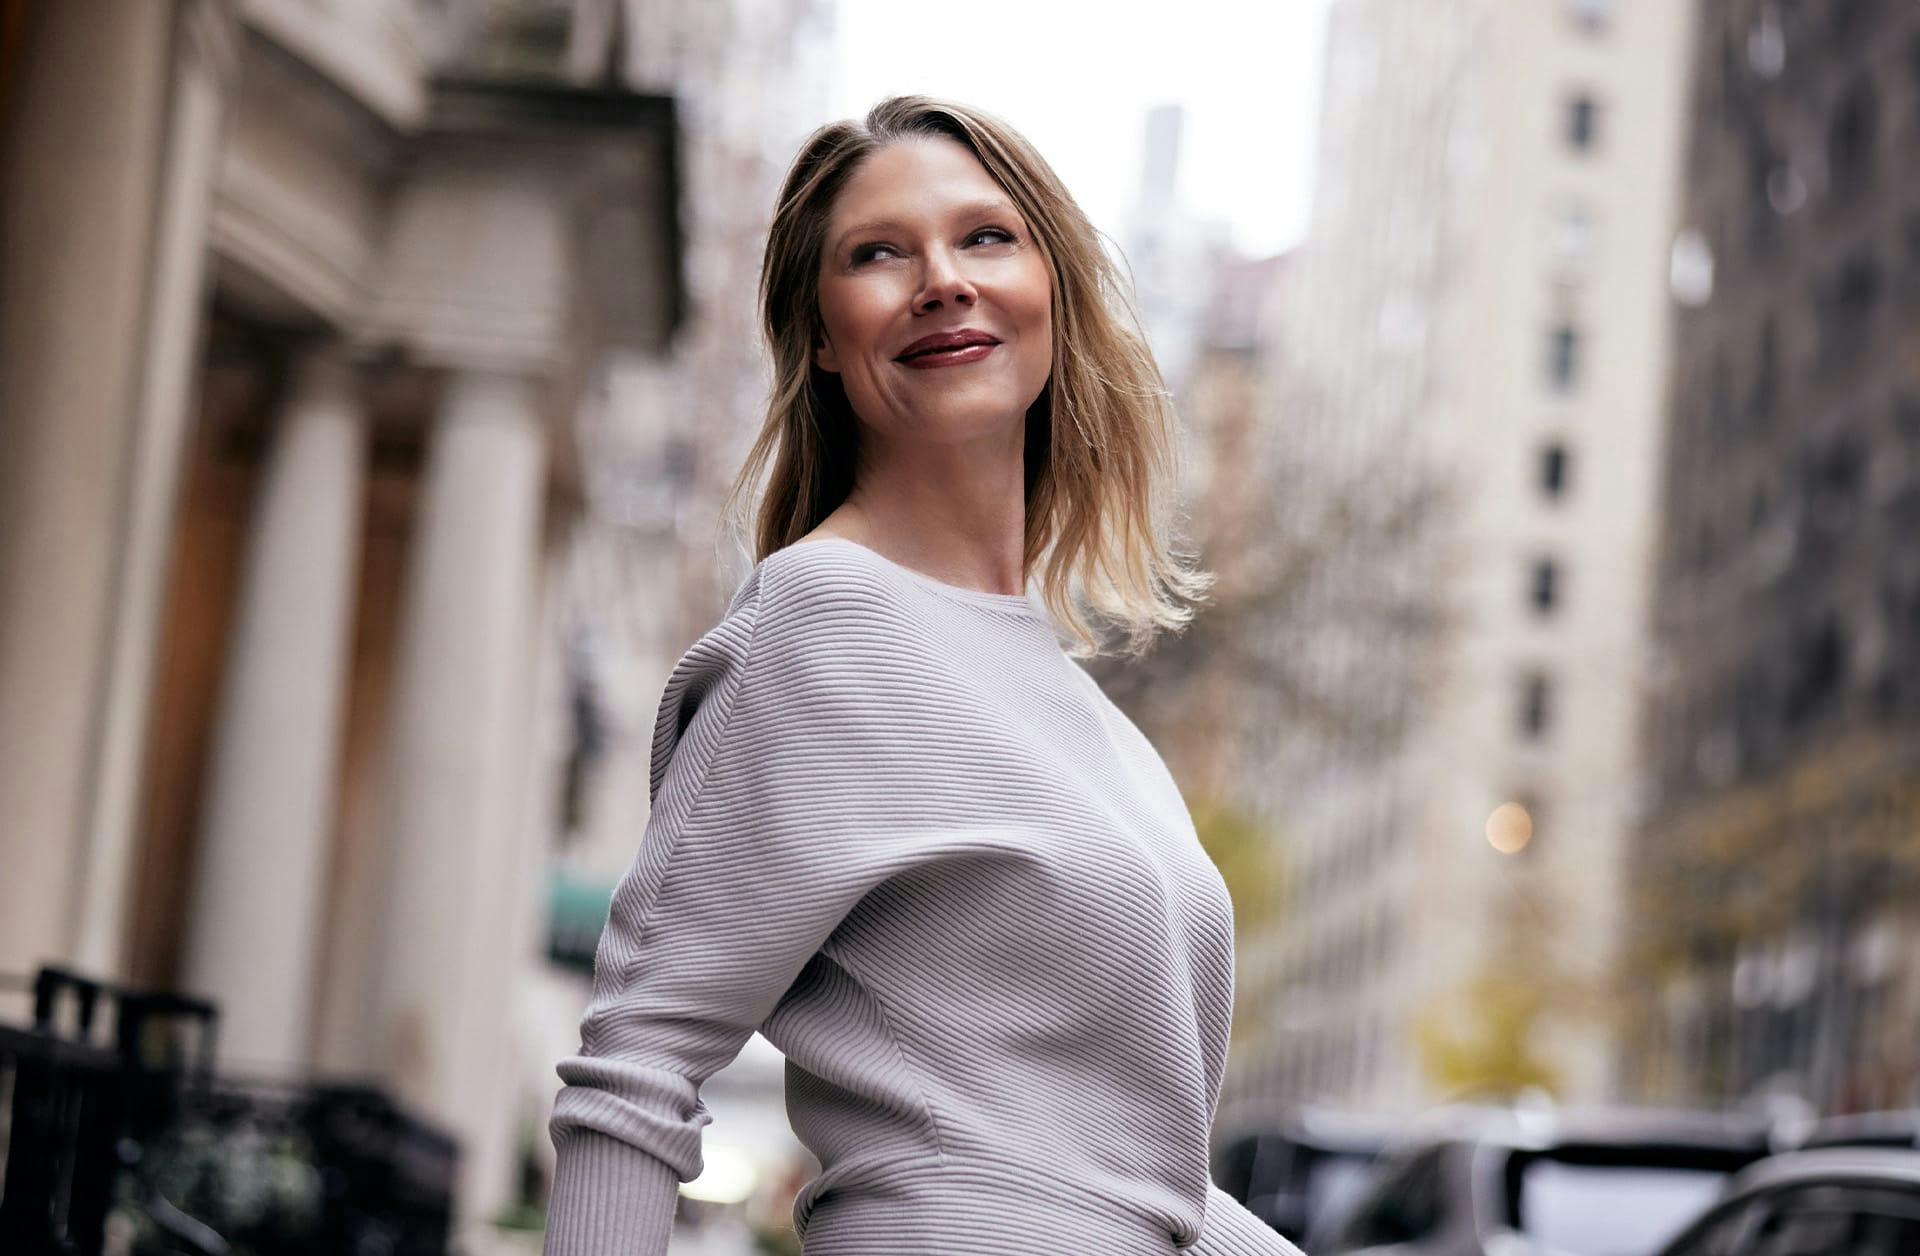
<point>947,348</point>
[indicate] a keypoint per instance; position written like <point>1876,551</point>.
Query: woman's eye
<point>991,235</point>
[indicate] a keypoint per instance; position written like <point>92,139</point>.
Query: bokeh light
<point>1509,828</point>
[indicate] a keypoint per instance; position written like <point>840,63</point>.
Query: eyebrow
<point>972,209</point>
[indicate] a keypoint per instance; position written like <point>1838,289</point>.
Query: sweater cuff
<point>609,1196</point>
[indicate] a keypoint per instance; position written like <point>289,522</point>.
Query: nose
<point>942,281</point>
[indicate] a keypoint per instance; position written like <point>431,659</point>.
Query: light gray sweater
<point>900,832</point>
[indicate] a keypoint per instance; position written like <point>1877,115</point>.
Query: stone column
<point>162,410</point>
<point>77,205</point>
<point>260,878</point>
<point>454,742</point>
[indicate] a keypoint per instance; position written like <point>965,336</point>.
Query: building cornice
<point>388,78</point>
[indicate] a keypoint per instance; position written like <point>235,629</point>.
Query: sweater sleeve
<point>737,882</point>
<point>1231,1230</point>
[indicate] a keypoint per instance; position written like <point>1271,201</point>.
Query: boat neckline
<point>985,597</point>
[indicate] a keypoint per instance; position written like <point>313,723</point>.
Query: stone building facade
<point>1476,319</point>
<point>300,314</point>
<point>1777,871</point>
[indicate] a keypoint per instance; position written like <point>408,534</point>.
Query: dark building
<point>1777,895</point>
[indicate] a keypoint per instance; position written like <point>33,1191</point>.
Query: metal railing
<point>79,1102</point>
<point>133,1133</point>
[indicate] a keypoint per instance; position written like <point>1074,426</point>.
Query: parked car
<point>1301,1171</point>
<point>1837,1201</point>
<point>1547,1184</point>
<point>1864,1129</point>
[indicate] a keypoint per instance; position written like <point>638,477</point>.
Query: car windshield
<point>1611,1209</point>
<point>1334,1181</point>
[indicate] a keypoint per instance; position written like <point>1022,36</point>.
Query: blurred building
<point>301,312</point>
<point>1223,404</point>
<point>1171,252</point>
<point>1777,874</point>
<point>650,566</point>
<point>1476,319</point>
<point>1205,717</point>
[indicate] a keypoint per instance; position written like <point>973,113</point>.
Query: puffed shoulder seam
<point>715,745</point>
<point>729,701</point>
<point>828,581</point>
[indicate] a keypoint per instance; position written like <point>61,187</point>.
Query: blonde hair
<point>1100,486</point>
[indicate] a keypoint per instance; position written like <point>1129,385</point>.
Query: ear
<point>824,355</point>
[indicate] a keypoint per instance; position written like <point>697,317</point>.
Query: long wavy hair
<point>1102,445</point>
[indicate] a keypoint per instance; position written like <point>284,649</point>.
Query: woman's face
<point>921,242</point>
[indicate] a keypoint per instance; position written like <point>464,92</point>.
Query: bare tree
<point>1326,619</point>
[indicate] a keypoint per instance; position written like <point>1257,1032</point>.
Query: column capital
<point>522,405</point>
<point>481,391</point>
<point>211,30</point>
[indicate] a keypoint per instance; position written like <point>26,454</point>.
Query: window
<point>1543,585</point>
<point>1910,232</point>
<point>1852,132</point>
<point>1563,357</point>
<point>1845,304</point>
<point>1536,705</point>
<point>1819,665</point>
<point>1706,546</point>
<point>1583,122</point>
<point>1571,1203</point>
<point>1405,1203</point>
<point>1690,268</point>
<point>1726,1231</point>
<point>1766,372</point>
<point>1848,19</point>
<point>1573,239</point>
<point>1906,416</point>
<point>1833,480</point>
<point>1554,471</point>
<point>1592,15</point>
<point>1720,425</point>
<point>1823,1218</point>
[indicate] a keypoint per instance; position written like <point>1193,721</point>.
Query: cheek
<point>848,311</point>
<point>1039,313</point>
<point>1038,303</point>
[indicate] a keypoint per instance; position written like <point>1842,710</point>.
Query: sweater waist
<point>955,1206</point>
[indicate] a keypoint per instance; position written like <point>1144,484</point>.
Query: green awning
<point>577,910</point>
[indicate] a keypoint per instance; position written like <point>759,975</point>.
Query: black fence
<point>136,1136</point>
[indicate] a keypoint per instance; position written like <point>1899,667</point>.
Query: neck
<point>959,519</point>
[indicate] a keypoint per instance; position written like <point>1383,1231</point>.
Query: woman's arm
<point>609,1196</point>
<point>1230,1230</point>
<point>746,867</point>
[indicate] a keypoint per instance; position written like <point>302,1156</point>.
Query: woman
<point>895,827</point>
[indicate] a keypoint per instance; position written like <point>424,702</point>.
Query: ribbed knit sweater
<point>896,829</point>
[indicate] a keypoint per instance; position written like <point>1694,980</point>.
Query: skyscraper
<point>1479,308</point>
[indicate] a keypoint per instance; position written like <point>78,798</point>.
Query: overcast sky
<point>1077,79</point>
